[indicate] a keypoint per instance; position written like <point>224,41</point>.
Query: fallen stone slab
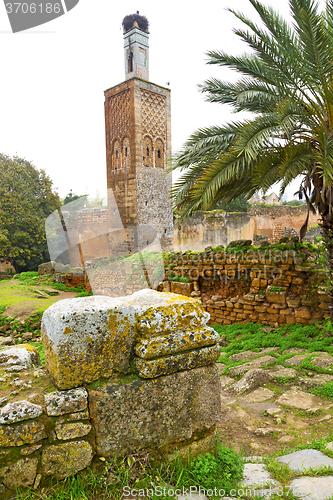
<point>300,461</point>
<point>257,475</point>
<point>323,362</point>
<point>316,381</point>
<point>220,367</point>
<point>62,402</point>
<point>242,356</point>
<point>312,488</point>
<point>284,373</point>
<point>259,395</point>
<point>296,360</point>
<point>190,496</point>
<point>252,379</point>
<point>256,363</point>
<point>18,411</point>
<point>24,355</point>
<point>297,399</point>
<point>296,350</point>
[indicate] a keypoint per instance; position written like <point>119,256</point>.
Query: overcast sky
<point>53,78</point>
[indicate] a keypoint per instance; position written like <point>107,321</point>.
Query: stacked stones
<point>167,338</point>
<point>266,285</point>
<point>40,440</point>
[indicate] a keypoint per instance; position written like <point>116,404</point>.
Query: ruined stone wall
<point>219,227</point>
<point>271,220</point>
<point>278,284</point>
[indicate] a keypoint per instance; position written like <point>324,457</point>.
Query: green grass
<point>41,351</point>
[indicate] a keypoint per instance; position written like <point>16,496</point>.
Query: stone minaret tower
<point>138,145</point>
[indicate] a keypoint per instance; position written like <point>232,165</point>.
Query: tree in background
<point>26,200</point>
<point>286,82</point>
<point>293,203</point>
<point>239,204</point>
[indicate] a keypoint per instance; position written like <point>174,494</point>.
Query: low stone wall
<point>276,284</point>
<point>136,373</point>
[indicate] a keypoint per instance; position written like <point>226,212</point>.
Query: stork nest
<point>142,21</point>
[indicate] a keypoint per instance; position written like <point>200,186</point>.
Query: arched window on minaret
<point>126,154</point>
<point>116,156</point>
<point>148,152</point>
<point>159,154</point>
<point>130,61</point>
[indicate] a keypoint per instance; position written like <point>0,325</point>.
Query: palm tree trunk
<point>327,233</point>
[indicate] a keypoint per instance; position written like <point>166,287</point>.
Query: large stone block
<point>89,338</point>
<point>154,413</point>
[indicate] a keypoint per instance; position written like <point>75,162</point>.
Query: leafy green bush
<point>84,294</point>
<point>223,471</point>
<point>325,391</point>
<point>29,277</point>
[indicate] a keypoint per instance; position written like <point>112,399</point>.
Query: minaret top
<point>136,46</point>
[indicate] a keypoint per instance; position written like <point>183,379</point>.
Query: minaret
<point>138,144</point>
<point>136,47</point>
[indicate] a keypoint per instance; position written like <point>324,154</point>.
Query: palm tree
<point>286,82</point>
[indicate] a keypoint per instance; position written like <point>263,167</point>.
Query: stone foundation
<point>105,406</point>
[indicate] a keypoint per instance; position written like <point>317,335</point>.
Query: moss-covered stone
<point>155,413</point>
<point>89,338</point>
<point>64,459</point>
<point>175,342</point>
<point>21,473</point>
<point>27,433</point>
<point>152,368</point>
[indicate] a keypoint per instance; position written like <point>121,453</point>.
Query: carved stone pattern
<point>119,115</point>
<point>153,109</point>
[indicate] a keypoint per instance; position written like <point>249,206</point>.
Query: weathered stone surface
<point>158,412</point>
<point>18,411</point>
<point>256,363</point>
<point>256,475</point>
<point>6,341</point>
<point>296,360</point>
<point>252,379</point>
<point>184,361</point>
<point>24,355</point>
<point>71,431</point>
<point>182,288</point>
<point>27,433</point>
<point>59,403</point>
<point>30,449</point>
<point>275,297</point>
<point>316,381</point>
<point>98,333</point>
<point>242,356</point>
<point>266,350</point>
<point>297,399</point>
<point>296,350</point>
<point>261,394</point>
<point>312,488</point>
<point>323,362</point>
<point>64,459</point>
<point>81,415</point>
<point>264,431</point>
<point>21,473</point>
<point>305,459</point>
<point>225,381</point>
<point>176,342</point>
<point>284,373</point>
